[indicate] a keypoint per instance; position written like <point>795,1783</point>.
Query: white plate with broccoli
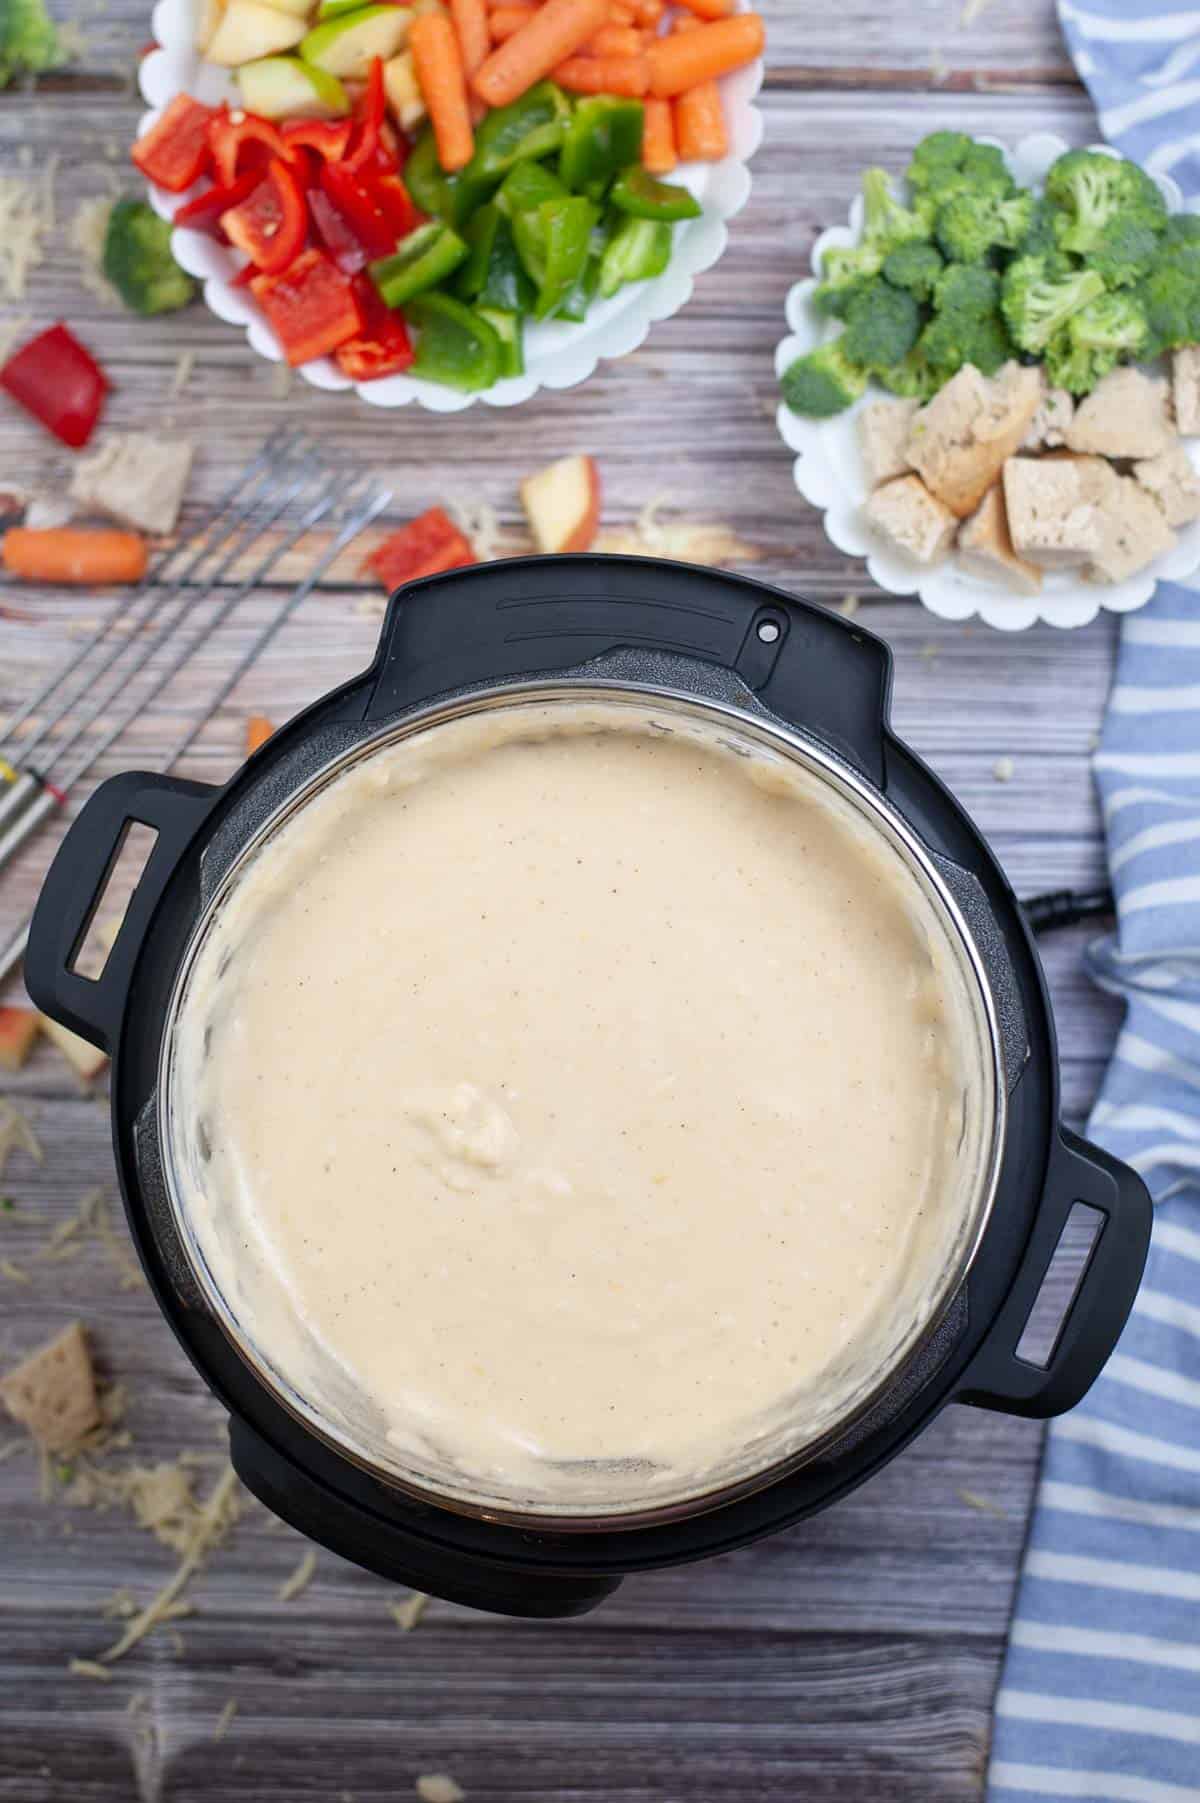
<point>1057,471</point>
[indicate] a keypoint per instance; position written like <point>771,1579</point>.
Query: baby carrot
<point>470,23</point>
<point>687,58</point>
<point>258,731</point>
<point>504,21</point>
<point>622,12</point>
<point>556,31</point>
<point>615,40</point>
<point>649,12</point>
<point>442,82</point>
<point>701,133</point>
<point>658,138</point>
<point>74,554</point>
<point>708,9</point>
<point>625,75</point>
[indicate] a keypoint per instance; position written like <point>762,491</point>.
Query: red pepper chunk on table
<point>427,546</point>
<point>59,382</point>
<point>311,307</point>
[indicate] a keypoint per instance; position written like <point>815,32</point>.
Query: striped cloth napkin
<point>1100,1695</point>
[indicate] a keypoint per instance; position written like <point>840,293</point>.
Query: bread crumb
<point>1004,770</point>
<point>439,1787</point>
<point>53,1391</point>
<point>300,1579</point>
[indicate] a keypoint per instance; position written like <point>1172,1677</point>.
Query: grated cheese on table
<point>407,1615</point>
<point>300,1579</point>
<point>26,217</point>
<point>16,1135</point>
<point>439,1787</point>
<point>87,232</point>
<point>87,1668</point>
<point>213,1521</point>
<point>12,331</point>
<point>224,1720</point>
<point>480,523</point>
<point>183,373</point>
<point>684,541</point>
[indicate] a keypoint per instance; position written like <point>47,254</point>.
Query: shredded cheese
<point>26,218</point>
<point>183,373</point>
<point>300,1579</point>
<point>11,332</point>
<point>87,233</point>
<point>15,1273</point>
<point>11,1447</point>
<point>225,1719</point>
<point>87,1668</point>
<point>15,1132</point>
<point>213,1522</point>
<point>984,1504</point>
<point>480,523</point>
<point>281,381</point>
<point>407,1615</point>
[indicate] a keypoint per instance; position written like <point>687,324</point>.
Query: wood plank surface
<point>852,1658</point>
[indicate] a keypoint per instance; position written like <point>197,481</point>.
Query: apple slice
<point>404,97</point>
<point>206,25</point>
<point>296,9</point>
<point>249,31</point>
<point>282,87</point>
<point>347,46</point>
<point>19,1027</point>
<point>88,1059</point>
<point>562,504</point>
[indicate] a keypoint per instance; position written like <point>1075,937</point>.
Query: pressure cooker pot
<point>584,1094</point>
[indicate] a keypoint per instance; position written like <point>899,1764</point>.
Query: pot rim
<point>819,760</point>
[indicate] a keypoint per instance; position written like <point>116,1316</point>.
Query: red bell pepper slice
<point>425,547</point>
<point>395,203</point>
<point>204,213</point>
<point>311,307</point>
<point>335,233</point>
<point>244,276</point>
<point>59,382</point>
<point>330,138</point>
<point>372,118</point>
<point>244,139</point>
<point>360,208</point>
<point>271,224</point>
<point>383,347</point>
<point>175,152</point>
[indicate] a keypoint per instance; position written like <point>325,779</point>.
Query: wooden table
<point>853,1658</point>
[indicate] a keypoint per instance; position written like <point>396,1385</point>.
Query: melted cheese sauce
<point>574,1109</point>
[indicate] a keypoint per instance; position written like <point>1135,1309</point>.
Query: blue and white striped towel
<point>1100,1695</point>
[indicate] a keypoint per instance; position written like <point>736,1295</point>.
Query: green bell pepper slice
<point>526,187</point>
<point>604,136</point>
<point>554,243</point>
<point>643,196</point>
<point>533,126</point>
<point>575,307</point>
<point>456,346</point>
<point>638,250</point>
<point>509,329</point>
<point>493,274</point>
<point>422,260</point>
<point>450,197</point>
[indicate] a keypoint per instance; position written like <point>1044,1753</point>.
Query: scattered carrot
<point>258,731</point>
<point>625,75</point>
<point>615,40</point>
<point>442,81</point>
<point>708,9</point>
<point>556,31</point>
<point>622,12</point>
<point>71,554</point>
<point>19,1027</point>
<point>504,21</point>
<point>649,12</point>
<point>687,58</point>
<point>701,134</point>
<point>659,155</point>
<point>471,26</point>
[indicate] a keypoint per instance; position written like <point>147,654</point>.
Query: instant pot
<point>688,645</point>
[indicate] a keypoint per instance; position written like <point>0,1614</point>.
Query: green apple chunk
<point>249,31</point>
<point>347,45</point>
<point>282,87</point>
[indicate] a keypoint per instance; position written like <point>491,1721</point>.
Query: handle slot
<point>98,934</point>
<point>1060,1286</point>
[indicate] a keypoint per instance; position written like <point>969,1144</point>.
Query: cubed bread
<point>136,478</point>
<point>54,1391</point>
<point>1185,388</point>
<point>985,547</point>
<point>883,434</point>
<point>1174,484</point>
<point>1049,426</point>
<point>1134,533</point>
<point>1055,508</point>
<point>912,519</point>
<point>1126,415</point>
<point>961,440</point>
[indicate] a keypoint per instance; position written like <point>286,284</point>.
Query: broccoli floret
<point>823,383</point>
<point>1073,366</point>
<point>915,266</point>
<point>969,226</point>
<point>1040,239</point>
<point>1170,300</point>
<point>1114,322</point>
<point>138,260</point>
<point>948,162</point>
<point>1091,190</point>
<point>913,378</point>
<point>1036,303</point>
<point>967,327</point>
<point>967,290</point>
<point>1125,250</point>
<point>1181,228</point>
<point>28,40</point>
<point>886,223</point>
<point>846,269</point>
<point>882,325</point>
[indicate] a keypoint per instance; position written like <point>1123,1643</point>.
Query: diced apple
<point>403,91</point>
<point>87,1059</point>
<point>562,504</point>
<point>282,87</point>
<point>206,26</point>
<point>296,9</point>
<point>19,1027</point>
<point>348,45</point>
<point>249,31</point>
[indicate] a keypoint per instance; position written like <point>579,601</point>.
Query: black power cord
<point>1066,908</point>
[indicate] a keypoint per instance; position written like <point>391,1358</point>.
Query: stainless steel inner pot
<point>616,1493</point>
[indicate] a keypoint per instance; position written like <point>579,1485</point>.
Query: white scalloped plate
<point>557,355</point>
<point>829,471</point>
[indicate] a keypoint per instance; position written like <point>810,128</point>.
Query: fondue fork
<point>355,508</point>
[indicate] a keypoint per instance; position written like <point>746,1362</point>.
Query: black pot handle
<point>396,1552</point>
<point>539,615</point>
<point>996,1377</point>
<point>71,893</point>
